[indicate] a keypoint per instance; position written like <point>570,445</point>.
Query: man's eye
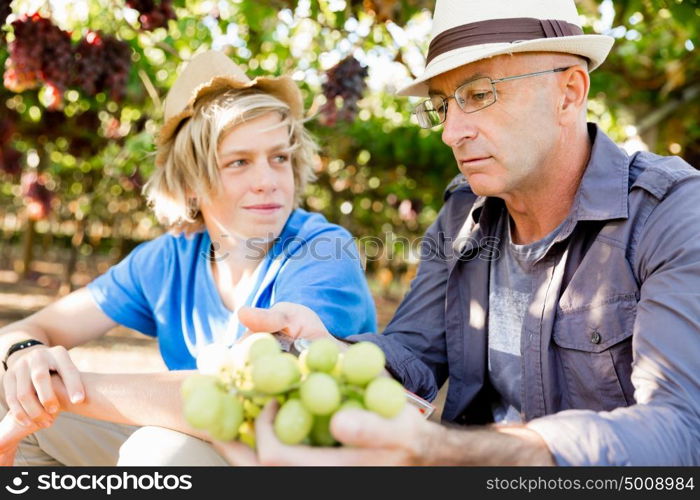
<point>480,95</point>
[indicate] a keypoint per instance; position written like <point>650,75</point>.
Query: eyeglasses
<point>472,96</point>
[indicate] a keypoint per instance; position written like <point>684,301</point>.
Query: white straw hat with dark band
<point>465,31</point>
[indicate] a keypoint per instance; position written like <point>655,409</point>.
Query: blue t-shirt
<point>165,288</point>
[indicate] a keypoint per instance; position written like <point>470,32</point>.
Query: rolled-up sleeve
<point>414,340</point>
<point>663,427</point>
<point>325,275</point>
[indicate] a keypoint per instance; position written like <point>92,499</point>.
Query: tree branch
<point>664,111</point>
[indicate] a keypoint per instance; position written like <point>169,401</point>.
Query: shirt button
<point>595,337</point>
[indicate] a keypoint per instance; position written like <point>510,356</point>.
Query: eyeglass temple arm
<point>518,77</point>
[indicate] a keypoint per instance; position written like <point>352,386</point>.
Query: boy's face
<point>257,181</point>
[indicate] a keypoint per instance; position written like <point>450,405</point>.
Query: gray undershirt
<point>511,287</point>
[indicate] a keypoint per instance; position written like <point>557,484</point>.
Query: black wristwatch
<point>18,347</point>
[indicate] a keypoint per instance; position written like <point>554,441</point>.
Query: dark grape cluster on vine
<point>118,54</point>
<point>346,80</point>
<point>42,53</point>
<point>153,14</point>
<point>89,65</point>
<point>102,65</point>
<point>23,67</point>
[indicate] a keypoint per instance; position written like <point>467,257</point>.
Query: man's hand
<point>29,392</point>
<point>407,439</point>
<point>369,439</point>
<point>293,320</point>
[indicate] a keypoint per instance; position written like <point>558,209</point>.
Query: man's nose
<point>459,126</point>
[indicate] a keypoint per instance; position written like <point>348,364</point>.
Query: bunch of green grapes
<point>233,385</point>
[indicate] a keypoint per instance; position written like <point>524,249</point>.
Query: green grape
<point>362,362</point>
<point>293,422</point>
<point>260,400</point>
<point>322,355</point>
<point>320,393</point>
<point>193,382</point>
<point>263,346</point>
<point>250,409</point>
<point>303,366</point>
<point>203,407</point>
<point>351,404</point>
<point>230,419</point>
<point>385,396</point>
<point>353,392</point>
<point>337,371</point>
<point>295,363</point>
<point>246,433</point>
<point>273,374</point>
<point>321,431</point>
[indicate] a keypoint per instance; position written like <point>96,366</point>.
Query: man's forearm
<point>493,445</point>
<point>135,399</point>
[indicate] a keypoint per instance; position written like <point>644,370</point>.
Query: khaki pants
<point>74,440</point>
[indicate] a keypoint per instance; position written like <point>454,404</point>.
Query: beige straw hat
<point>212,71</point>
<point>465,31</point>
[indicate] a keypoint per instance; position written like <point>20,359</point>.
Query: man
<point>559,287</point>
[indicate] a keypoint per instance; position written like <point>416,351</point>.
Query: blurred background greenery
<point>84,82</point>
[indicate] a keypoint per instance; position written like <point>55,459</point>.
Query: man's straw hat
<point>211,72</point>
<point>465,31</point>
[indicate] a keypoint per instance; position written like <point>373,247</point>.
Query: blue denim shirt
<point>611,341</point>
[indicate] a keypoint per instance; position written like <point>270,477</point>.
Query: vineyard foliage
<point>84,82</point>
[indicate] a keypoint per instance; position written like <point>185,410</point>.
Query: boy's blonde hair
<point>189,169</point>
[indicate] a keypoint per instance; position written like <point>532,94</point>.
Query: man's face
<point>506,147</point>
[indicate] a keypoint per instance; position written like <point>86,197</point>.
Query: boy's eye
<point>236,163</point>
<point>282,158</point>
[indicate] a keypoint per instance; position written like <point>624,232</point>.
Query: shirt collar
<point>287,240</point>
<point>602,194</point>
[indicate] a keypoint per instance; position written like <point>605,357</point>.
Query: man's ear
<point>574,86</point>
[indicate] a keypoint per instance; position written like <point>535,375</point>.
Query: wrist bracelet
<point>18,347</point>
